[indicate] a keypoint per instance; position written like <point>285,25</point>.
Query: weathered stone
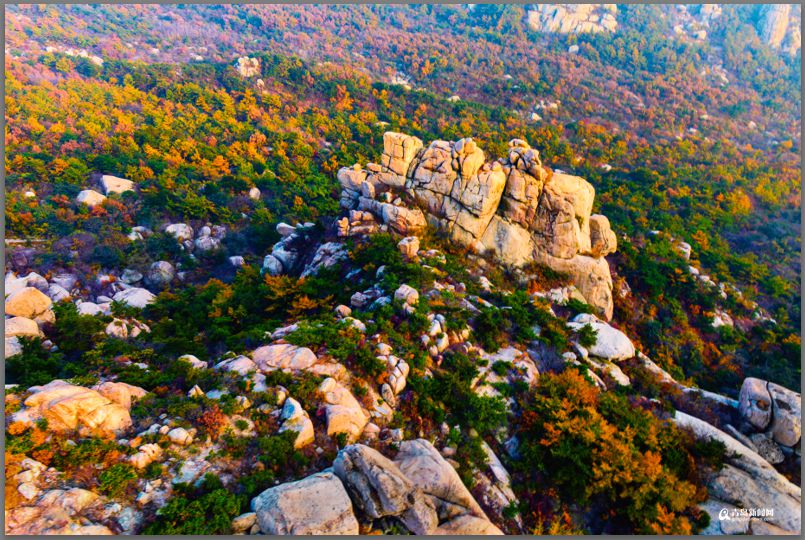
<point>28,302</point>
<point>90,197</point>
<point>272,265</point>
<point>12,347</point>
<point>766,448</point>
<point>610,343</point>
<point>748,480</point>
<point>315,505</point>
<point>380,488</point>
<point>135,297</point>
<point>602,239</point>
<point>180,436</point>
<point>590,275</point>
<point>398,152</point>
<point>244,522</point>
<point>193,361</point>
<point>283,356</point>
<point>755,402</point>
<point>22,326</point>
<point>295,418</point>
<point>146,454</point>
<point>160,274</point>
<point>406,294</point>
<point>344,413</point>
<point>786,422</point>
<point>421,463</point>
<point>376,483</point>
<point>180,231</point>
<point>113,184</point>
<point>68,408</point>
<point>409,247</point>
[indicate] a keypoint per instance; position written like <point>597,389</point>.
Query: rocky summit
<point>513,207</point>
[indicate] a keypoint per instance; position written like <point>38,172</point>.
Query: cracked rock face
<point>513,207</point>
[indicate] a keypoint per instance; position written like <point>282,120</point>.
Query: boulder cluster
<point>513,208</point>
<point>418,487</point>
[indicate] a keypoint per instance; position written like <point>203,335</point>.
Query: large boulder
<point>58,512</point>
<point>90,197</point>
<point>786,423</point>
<point>271,265</point>
<point>68,408</point>
<point>242,365</point>
<point>315,505</point>
<point>610,343</point>
<point>113,184</point>
<point>755,402</point>
<point>180,231</point>
<point>283,356</point>
<point>380,489</point>
<point>135,297</point>
<point>602,239</point>
<point>28,302</point>
<point>421,463</point>
<point>344,413</point>
<point>160,274</point>
<point>14,283</point>
<point>22,326</point>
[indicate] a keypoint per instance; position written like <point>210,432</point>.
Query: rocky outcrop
<point>344,413</point>
<point>747,480</point>
<point>419,488</point>
<point>429,471</point>
<point>113,184</point>
<point>121,393</point>
<point>768,406</point>
<point>180,231</point>
<point>135,297</point>
<point>318,504</point>
<point>248,67</point>
<point>90,197</point>
<point>160,274</point>
<point>380,489</point>
<point>468,525</point>
<point>69,408</point>
<point>610,343</point>
<point>58,512</point>
<point>573,18</point>
<point>283,356</point>
<point>786,421</point>
<point>773,23</point>
<point>513,208</point>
